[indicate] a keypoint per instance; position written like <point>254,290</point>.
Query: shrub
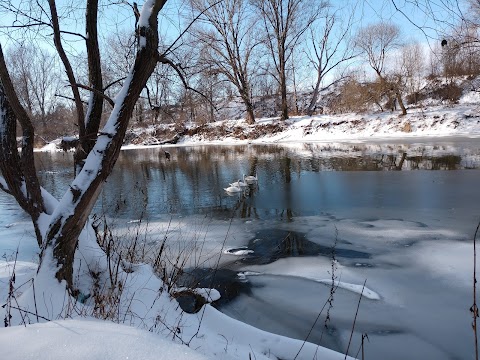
<point>450,92</point>
<point>415,97</point>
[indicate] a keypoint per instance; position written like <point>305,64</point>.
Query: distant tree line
<point>249,59</point>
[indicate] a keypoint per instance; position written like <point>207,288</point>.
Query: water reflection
<point>300,179</point>
<point>269,245</point>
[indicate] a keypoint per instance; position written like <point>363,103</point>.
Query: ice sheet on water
<point>419,268</point>
<point>447,261</point>
<point>356,288</point>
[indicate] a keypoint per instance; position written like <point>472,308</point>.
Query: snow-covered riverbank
<point>439,121</point>
<point>460,120</point>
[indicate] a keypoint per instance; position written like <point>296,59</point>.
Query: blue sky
<point>118,17</point>
<point>367,11</point>
<point>414,22</point>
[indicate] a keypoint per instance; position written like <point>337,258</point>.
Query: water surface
<point>400,216</point>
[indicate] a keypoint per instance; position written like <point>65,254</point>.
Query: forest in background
<point>239,60</point>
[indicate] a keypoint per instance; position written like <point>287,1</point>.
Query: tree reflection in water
<point>145,183</point>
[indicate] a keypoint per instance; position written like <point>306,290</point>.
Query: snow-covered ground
<point>157,329</point>
<point>461,120</point>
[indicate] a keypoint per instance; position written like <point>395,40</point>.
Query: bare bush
<point>449,92</point>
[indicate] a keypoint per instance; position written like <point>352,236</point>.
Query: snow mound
<point>88,339</point>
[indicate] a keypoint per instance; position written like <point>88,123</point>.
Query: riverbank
<point>460,120</point>
<point>433,121</point>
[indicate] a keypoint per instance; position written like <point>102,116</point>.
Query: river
<point>398,217</point>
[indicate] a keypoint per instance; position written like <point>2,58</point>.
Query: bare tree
<point>35,76</point>
<point>411,66</point>
<point>229,41</point>
<point>330,48</point>
<point>209,84</point>
<point>460,51</point>
<point>67,218</point>
<point>285,23</point>
<point>376,41</point>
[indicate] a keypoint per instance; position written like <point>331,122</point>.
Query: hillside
<point>442,109</point>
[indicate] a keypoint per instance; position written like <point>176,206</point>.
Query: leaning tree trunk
<point>313,100</point>
<point>75,207</point>
<point>68,219</point>
<point>400,102</point>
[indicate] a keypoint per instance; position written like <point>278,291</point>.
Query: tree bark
<point>400,102</point>
<point>18,169</point>
<point>95,104</point>
<point>245,95</point>
<point>250,119</point>
<point>283,92</point>
<point>313,101</point>
<point>65,228</point>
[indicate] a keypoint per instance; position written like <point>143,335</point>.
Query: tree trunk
<point>283,94</point>
<point>95,104</point>
<point>283,85</point>
<point>313,101</point>
<point>65,227</point>
<point>250,118</point>
<point>400,102</point>
<point>18,169</point>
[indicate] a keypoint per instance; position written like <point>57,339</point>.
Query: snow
<point>317,270</point>
<point>146,12</point>
<point>154,318</point>
<point>3,183</point>
<point>49,147</point>
<point>88,339</point>
<point>438,120</point>
<point>143,303</point>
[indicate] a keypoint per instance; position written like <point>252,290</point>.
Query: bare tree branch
<point>98,92</point>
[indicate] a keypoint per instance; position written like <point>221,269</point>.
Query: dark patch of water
<point>270,245</point>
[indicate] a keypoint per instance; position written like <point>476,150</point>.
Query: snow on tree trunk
<point>72,213</point>
<point>59,236</point>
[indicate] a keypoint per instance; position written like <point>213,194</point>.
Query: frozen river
<point>400,216</point>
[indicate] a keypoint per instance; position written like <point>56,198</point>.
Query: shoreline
<point>438,123</point>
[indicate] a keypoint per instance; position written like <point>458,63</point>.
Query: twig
<point>29,312</point>
<point>35,299</point>
<point>355,319</point>
<point>474,308</point>
<point>329,301</point>
<point>98,92</point>
<point>362,346</point>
